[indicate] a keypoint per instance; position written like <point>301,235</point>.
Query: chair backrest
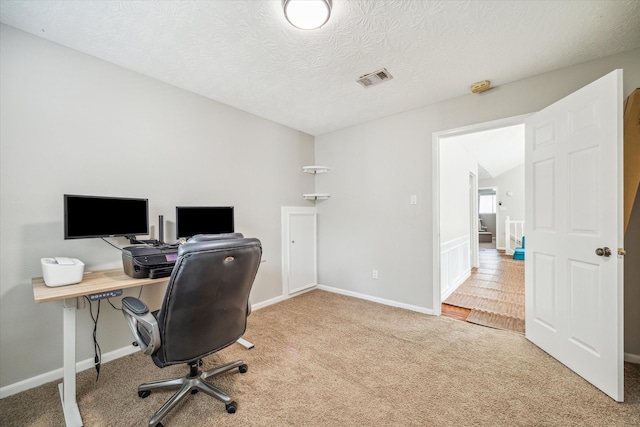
<point>209,237</point>
<point>205,307</point>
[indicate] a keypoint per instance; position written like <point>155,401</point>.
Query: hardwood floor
<point>493,295</point>
<point>459,313</point>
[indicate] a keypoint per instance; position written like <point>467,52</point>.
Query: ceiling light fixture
<point>307,14</point>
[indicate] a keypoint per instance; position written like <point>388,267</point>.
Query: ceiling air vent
<point>374,78</point>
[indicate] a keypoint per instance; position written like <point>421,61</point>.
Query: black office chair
<point>205,309</point>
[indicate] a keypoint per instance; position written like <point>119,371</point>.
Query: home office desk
<point>72,299</point>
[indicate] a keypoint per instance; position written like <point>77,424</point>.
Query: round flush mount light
<point>307,14</point>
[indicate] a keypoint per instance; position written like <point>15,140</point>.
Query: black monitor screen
<point>94,216</point>
<point>192,220</point>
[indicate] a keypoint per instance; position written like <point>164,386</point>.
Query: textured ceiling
<point>244,54</point>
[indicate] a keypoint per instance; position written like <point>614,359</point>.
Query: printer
<point>149,261</point>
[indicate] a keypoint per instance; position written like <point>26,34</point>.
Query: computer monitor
<point>192,220</point>
<point>96,216</point>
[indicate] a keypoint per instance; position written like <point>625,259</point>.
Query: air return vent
<point>374,78</point>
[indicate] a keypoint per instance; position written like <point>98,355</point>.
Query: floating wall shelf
<point>316,196</point>
<point>315,169</point>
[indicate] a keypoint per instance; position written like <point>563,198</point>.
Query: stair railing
<point>513,232</point>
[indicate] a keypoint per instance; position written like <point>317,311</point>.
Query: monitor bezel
<point>213,207</point>
<point>118,234</point>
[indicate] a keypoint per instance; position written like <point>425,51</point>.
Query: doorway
<point>487,217</point>
<point>573,147</point>
<point>466,153</point>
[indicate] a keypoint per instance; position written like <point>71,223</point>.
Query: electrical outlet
<point>414,199</point>
<point>374,274</point>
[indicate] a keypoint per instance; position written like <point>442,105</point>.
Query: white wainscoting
<point>455,264</point>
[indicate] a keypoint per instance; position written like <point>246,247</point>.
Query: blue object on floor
<point>519,252</point>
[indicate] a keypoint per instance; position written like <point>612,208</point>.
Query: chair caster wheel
<point>144,394</point>
<point>159,425</point>
<point>231,407</point>
<point>194,391</point>
<point>243,368</point>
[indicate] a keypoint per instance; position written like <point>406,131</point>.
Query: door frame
<point>435,178</point>
<point>287,212</point>
<point>474,240</point>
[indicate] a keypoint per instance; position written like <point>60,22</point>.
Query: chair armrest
<point>137,315</point>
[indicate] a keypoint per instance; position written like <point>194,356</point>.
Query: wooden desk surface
<point>92,283</point>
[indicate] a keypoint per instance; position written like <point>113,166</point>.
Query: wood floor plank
<point>455,312</point>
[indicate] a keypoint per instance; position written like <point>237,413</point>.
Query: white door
<point>299,249</point>
<point>573,212</point>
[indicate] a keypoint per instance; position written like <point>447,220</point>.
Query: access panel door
<point>299,249</point>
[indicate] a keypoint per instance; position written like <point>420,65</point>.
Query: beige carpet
<point>494,292</point>
<point>323,359</point>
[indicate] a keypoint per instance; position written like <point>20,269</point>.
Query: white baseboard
<point>280,298</point>
<point>376,299</point>
<point>632,358</point>
<point>56,374</point>
<point>267,303</point>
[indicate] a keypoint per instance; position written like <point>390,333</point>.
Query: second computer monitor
<point>192,220</point>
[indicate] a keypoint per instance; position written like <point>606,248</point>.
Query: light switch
<point>414,199</point>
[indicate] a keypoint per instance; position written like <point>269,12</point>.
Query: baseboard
<point>632,358</point>
<point>56,374</point>
<point>267,303</point>
<point>376,299</point>
<point>280,298</point>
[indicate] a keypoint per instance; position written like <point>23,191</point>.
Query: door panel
<point>299,264</point>
<point>573,206</point>
<point>302,273</point>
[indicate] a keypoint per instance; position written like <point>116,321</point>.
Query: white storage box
<point>61,271</point>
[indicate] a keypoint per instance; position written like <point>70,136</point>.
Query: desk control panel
<point>107,294</point>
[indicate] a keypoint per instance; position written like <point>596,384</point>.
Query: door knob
<point>605,252</point>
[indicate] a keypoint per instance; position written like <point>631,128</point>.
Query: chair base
<point>192,383</point>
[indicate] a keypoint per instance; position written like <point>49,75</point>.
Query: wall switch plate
<point>374,274</point>
<point>414,199</point>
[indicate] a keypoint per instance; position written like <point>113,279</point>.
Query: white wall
<point>75,124</point>
<point>455,166</point>
<point>368,222</point>
<point>455,214</point>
